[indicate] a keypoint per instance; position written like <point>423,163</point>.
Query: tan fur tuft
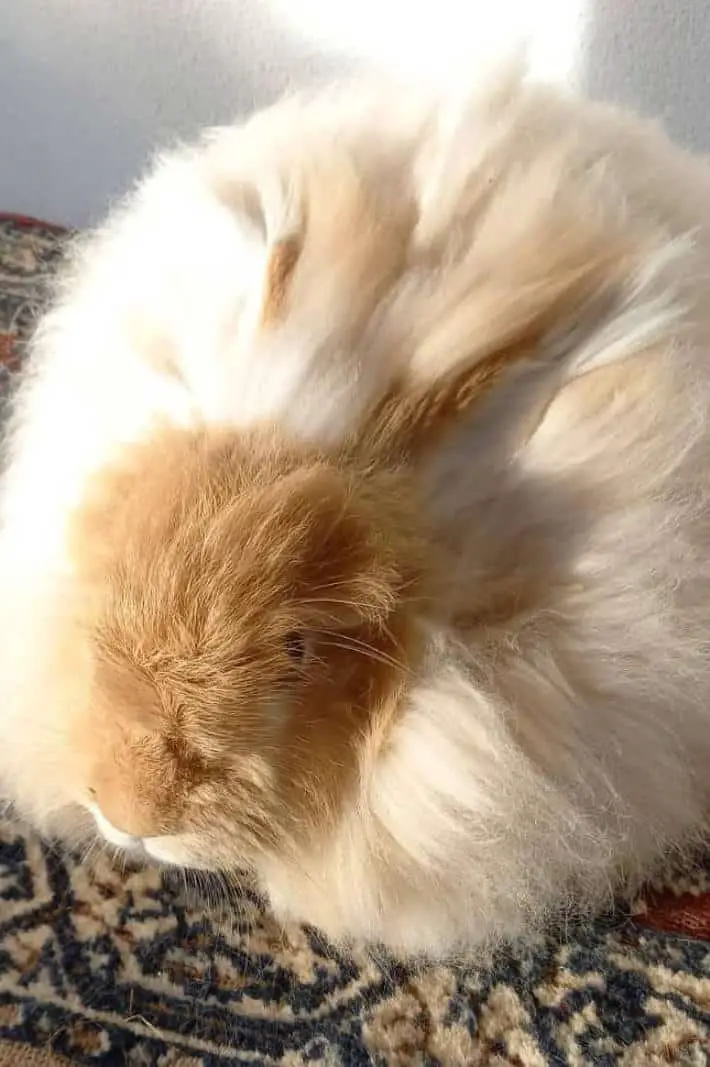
<point>282,262</point>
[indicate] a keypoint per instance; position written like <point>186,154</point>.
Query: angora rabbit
<point>355,523</point>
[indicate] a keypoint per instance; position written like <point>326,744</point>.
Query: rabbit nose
<point>110,832</point>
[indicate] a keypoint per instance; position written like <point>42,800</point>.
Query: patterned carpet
<point>102,967</point>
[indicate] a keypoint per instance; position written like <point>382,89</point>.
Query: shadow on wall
<point>90,90</point>
<point>653,56</point>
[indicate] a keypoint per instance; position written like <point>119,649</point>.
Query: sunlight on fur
<point>354,527</point>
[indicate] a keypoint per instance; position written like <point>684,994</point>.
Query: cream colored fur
<point>554,742</point>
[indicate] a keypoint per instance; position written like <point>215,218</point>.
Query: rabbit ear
<point>329,251</point>
<point>511,313</point>
<point>331,247</point>
<point>343,255</point>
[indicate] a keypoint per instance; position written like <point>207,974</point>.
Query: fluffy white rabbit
<point>354,526</point>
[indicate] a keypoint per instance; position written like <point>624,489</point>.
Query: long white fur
<point>549,757</point>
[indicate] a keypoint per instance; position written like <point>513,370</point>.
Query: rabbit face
<point>247,610</point>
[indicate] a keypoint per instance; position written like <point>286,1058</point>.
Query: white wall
<point>89,87</point>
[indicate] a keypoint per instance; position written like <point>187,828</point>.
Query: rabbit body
<point>354,525</point>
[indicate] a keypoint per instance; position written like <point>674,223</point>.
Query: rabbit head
<point>247,608</point>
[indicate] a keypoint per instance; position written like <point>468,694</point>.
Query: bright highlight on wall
<point>440,39</point>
